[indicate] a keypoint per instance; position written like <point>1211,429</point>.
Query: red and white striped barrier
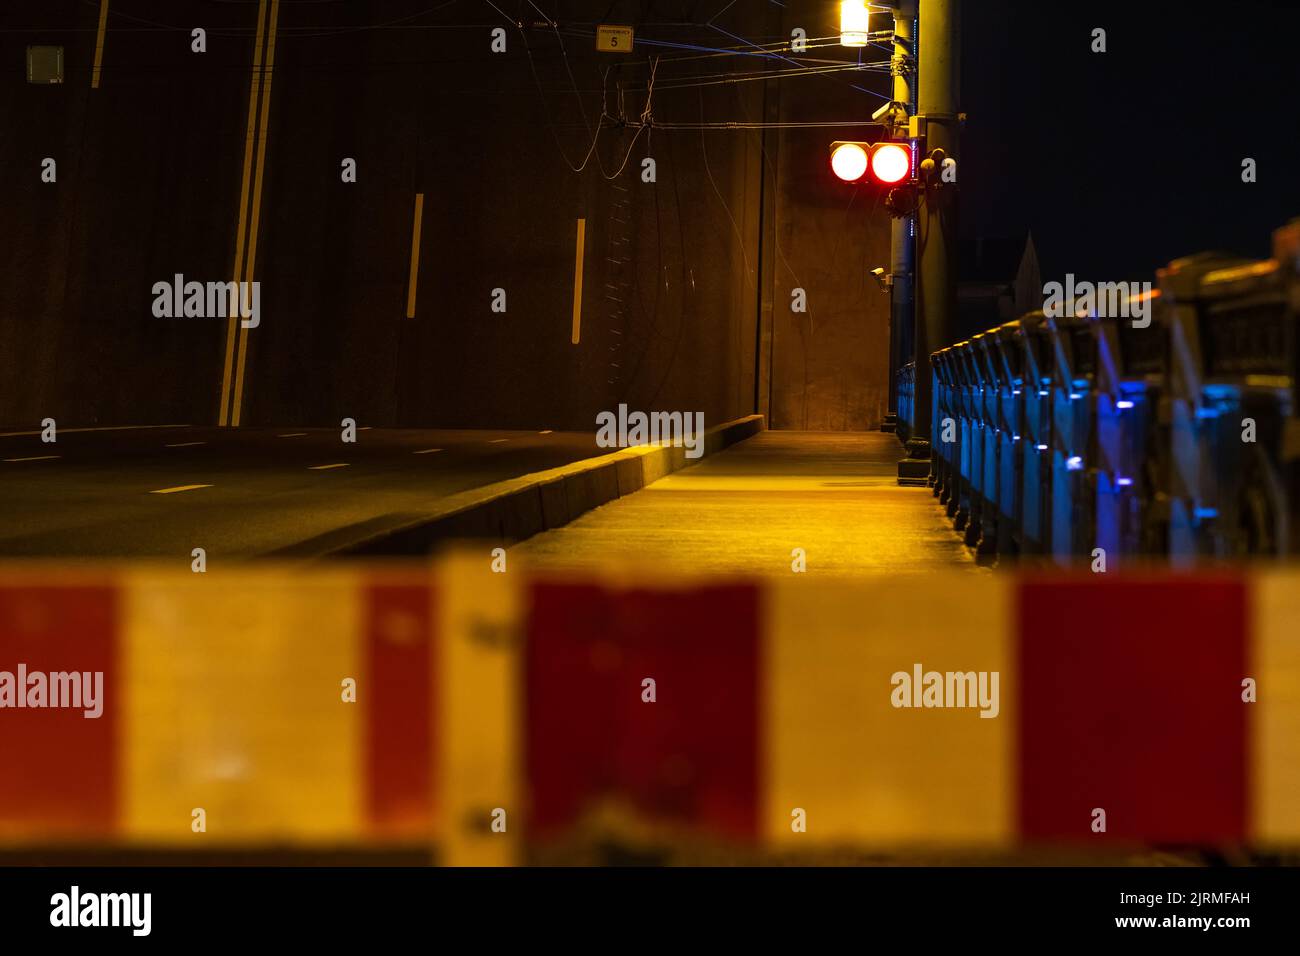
<point>493,712</point>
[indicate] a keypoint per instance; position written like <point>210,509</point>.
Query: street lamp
<point>854,18</point>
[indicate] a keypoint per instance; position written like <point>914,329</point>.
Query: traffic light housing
<point>887,163</point>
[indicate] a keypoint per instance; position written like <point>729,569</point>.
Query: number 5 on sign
<point>613,39</point>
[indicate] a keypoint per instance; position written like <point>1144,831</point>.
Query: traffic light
<point>887,163</point>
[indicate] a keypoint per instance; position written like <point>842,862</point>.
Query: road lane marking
<point>251,271</point>
<point>415,256</point>
<point>426,451</point>
<point>546,432</point>
<point>101,428</point>
<point>185,444</point>
<point>35,458</point>
<point>172,491</point>
<point>99,45</point>
<point>292,435</point>
<point>497,441</point>
<point>342,464</point>
<point>577,282</point>
<point>254,91</point>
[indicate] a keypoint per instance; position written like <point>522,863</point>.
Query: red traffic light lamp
<point>849,161</point>
<point>887,163</point>
<point>891,163</point>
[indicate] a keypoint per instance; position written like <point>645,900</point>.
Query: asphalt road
<point>241,493</point>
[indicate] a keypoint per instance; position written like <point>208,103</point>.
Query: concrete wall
<point>149,170</point>
<point>144,189</point>
<point>830,365</point>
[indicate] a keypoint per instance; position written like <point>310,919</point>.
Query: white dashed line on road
<point>102,428</point>
<point>426,451</point>
<point>35,458</point>
<point>172,491</point>
<point>185,444</point>
<point>342,464</point>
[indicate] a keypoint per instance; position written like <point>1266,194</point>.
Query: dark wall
<point>667,321</point>
<point>149,179</point>
<point>830,365</point>
<point>144,189</point>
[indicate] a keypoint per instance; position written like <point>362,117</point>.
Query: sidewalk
<point>746,509</point>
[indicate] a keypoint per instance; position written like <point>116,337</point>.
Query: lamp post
<point>938,122</point>
<point>902,229</point>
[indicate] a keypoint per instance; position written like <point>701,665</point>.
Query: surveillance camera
<point>882,279</point>
<point>892,115</point>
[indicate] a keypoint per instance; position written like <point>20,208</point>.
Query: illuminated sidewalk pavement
<point>833,494</point>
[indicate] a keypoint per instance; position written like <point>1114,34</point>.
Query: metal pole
<point>938,77</point>
<point>902,229</point>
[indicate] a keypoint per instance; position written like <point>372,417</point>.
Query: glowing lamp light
<point>849,162</point>
<point>891,163</point>
<point>854,19</point>
<point>1074,463</point>
<point>1123,403</point>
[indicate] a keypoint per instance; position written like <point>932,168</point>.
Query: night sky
<point>1122,160</point>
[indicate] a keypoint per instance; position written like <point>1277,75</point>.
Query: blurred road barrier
<point>498,718</point>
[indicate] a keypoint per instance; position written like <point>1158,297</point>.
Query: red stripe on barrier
<point>58,776</point>
<point>689,759</point>
<point>399,707</point>
<point>1130,695</point>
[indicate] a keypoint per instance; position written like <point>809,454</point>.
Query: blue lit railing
<point>1102,438</point>
<point>906,384</point>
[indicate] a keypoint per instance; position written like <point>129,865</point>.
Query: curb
<point>519,508</point>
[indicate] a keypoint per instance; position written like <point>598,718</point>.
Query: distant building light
<point>1123,403</point>
<point>1074,463</point>
<point>1124,482</point>
<point>1042,448</point>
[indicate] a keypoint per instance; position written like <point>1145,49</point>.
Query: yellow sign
<point>613,39</point>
